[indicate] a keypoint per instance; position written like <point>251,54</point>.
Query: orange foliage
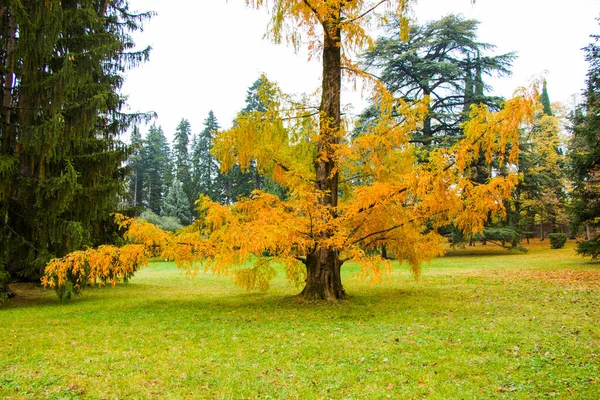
<point>106,264</point>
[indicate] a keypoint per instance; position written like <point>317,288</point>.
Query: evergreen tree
<point>181,158</point>
<point>62,170</point>
<point>206,168</point>
<point>136,165</point>
<point>443,60</point>
<point>176,204</point>
<point>156,158</point>
<point>584,153</point>
<point>545,99</point>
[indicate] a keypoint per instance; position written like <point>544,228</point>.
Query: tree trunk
<point>588,234</point>
<point>323,265</point>
<point>9,68</point>
<point>323,280</point>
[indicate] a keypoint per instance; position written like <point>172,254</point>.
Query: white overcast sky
<point>206,53</point>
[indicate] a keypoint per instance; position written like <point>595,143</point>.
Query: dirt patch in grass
<point>583,279</point>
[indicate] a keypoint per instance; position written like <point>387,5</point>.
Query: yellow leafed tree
<point>347,196</point>
<point>350,196</point>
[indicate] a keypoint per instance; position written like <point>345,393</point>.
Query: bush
<point>503,235</point>
<point>165,223</point>
<point>557,240</point>
<point>589,248</point>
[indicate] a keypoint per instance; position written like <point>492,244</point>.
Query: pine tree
<point>61,162</point>
<point>545,99</point>
<point>181,158</point>
<point>584,153</point>
<point>136,165</point>
<point>206,168</point>
<point>158,171</point>
<point>176,204</point>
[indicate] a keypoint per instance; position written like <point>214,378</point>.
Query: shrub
<point>557,240</point>
<point>165,223</point>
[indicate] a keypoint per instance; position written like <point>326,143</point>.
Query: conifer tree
<point>176,204</point>
<point>158,168</point>
<point>545,100</point>
<point>61,161</point>
<point>540,196</point>
<point>254,103</point>
<point>181,158</point>
<point>584,153</point>
<point>443,60</point>
<point>136,166</point>
<point>206,168</point>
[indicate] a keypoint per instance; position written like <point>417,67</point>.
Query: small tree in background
<point>206,168</point>
<point>176,204</point>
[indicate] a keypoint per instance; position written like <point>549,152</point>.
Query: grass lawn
<point>480,323</point>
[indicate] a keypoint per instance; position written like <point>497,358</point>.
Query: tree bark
<point>323,265</point>
<point>9,68</point>
<point>323,278</point>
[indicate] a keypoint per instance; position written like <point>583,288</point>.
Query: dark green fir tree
<point>176,204</point>
<point>158,171</point>
<point>62,165</point>
<point>136,166</point>
<point>181,158</point>
<point>206,168</point>
<point>443,60</point>
<point>584,154</point>
<point>545,100</point>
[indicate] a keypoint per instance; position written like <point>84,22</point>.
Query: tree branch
<point>303,260</point>
<point>370,10</point>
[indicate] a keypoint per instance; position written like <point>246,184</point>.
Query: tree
<point>176,204</point>
<point>236,183</point>
<point>62,171</point>
<point>320,232</point>
<point>540,196</point>
<point>331,217</point>
<point>584,152</point>
<point>181,158</point>
<point>136,165</point>
<point>158,170</point>
<point>205,166</point>
<point>254,103</point>
<point>442,61</point>
<point>545,100</point>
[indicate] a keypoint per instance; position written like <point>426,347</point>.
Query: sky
<point>206,53</point>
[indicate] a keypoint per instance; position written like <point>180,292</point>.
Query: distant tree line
<point>167,179</point>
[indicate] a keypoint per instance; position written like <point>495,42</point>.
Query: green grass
<point>480,323</point>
